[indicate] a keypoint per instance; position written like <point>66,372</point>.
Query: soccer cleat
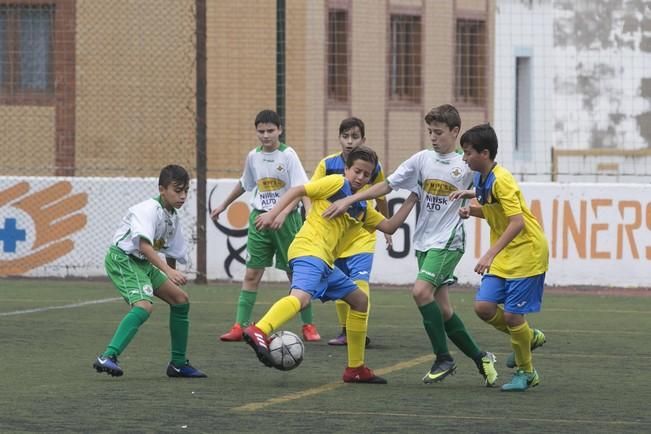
<point>341,340</point>
<point>233,335</point>
<point>259,341</point>
<point>362,374</point>
<point>108,364</point>
<point>184,371</point>
<point>537,341</point>
<point>521,381</point>
<point>310,333</point>
<point>440,370</point>
<point>486,366</point>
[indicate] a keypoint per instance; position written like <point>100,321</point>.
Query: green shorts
<point>261,246</point>
<point>436,266</point>
<point>136,279</point>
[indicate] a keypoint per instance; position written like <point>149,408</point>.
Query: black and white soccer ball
<point>286,350</point>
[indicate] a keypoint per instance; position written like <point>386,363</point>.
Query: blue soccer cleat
<point>108,364</point>
<point>521,381</point>
<point>184,371</point>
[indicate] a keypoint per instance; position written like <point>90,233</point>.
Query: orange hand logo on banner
<point>54,217</point>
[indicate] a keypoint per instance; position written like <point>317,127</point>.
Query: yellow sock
<point>498,321</point>
<point>521,343</point>
<point>342,312</point>
<point>356,337</point>
<point>282,311</point>
<point>363,285</point>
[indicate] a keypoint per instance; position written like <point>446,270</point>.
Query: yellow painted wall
<point>27,140</point>
<point>135,87</point>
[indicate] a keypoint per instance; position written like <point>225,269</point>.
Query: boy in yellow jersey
<point>312,255</point>
<point>357,260</point>
<point>513,268</point>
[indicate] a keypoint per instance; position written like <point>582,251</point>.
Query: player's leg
<point>281,239</point>
<point>179,325</point>
<point>433,321</point>
<point>340,286</point>
<point>307,272</point>
<point>260,250</point>
<point>130,278</point>
<point>523,296</point>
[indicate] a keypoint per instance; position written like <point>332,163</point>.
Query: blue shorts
<point>518,295</point>
<point>312,275</point>
<point>357,267</point>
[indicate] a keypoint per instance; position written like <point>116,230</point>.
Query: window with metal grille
<point>338,55</point>
<point>471,62</point>
<point>405,59</point>
<point>26,50</point>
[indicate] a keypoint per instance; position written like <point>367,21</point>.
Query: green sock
<point>245,307</point>
<point>458,334</point>
<point>179,327</point>
<point>126,331</point>
<point>306,314</point>
<point>433,322</point>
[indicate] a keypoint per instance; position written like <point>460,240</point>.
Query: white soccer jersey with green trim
<point>160,227</point>
<point>433,177</point>
<point>270,174</point>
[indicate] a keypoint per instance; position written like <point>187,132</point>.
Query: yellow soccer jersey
<point>527,254</point>
<point>324,238</point>
<point>364,242</point>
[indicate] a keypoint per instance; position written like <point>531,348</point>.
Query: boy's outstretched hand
<point>264,221</point>
<point>337,208</point>
<point>462,194</point>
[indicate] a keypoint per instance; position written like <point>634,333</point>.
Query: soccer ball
<point>286,350</point>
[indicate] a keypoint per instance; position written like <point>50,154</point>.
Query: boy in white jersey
<point>438,240</point>
<point>270,170</point>
<point>139,273</point>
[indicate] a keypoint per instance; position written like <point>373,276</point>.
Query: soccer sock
<point>498,321</point>
<point>435,328</point>
<point>282,311</point>
<point>363,285</point>
<point>306,315</point>
<point>356,327</point>
<point>245,307</point>
<point>521,343</point>
<point>456,331</point>
<point>179,328</point>
<point>342,309</point>
<point>126,331</point>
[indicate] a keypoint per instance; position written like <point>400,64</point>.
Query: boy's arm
<point>462,194</point>
<point>152,256</point>
<point>389,226</point>
<point>340,206</point>
<point>383,206</point>
<point>282,215</point>
<point>265,220</point>
<point>236,192</point>
<point>471,210</point>
<point>515,226</point>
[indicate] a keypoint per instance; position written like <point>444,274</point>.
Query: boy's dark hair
<point>445,114</point>
<point>174,174</point>
<point>361,152</point>
<point>350,123</point>
<point>481,137</point>
<point>268,117</point>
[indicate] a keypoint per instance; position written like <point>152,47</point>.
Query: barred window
<point>338,55</point>
<point>471,62</point>
<point>405,60</point>
<point>26,49</point>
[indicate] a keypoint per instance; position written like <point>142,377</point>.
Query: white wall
<point>598,234</point>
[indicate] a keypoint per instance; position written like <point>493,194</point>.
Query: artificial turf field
<point>594,368</point>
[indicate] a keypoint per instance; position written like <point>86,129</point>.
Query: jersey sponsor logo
<point>456,172</point>
<point>36,227</point>
<point>280,168</point>
<point>435,203</point>
<point>270,184</point>
<point>436,187</point>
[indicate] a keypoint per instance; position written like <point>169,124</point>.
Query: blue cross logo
<point>10,234</point>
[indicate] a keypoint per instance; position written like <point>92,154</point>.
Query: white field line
<point>65,306</point>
